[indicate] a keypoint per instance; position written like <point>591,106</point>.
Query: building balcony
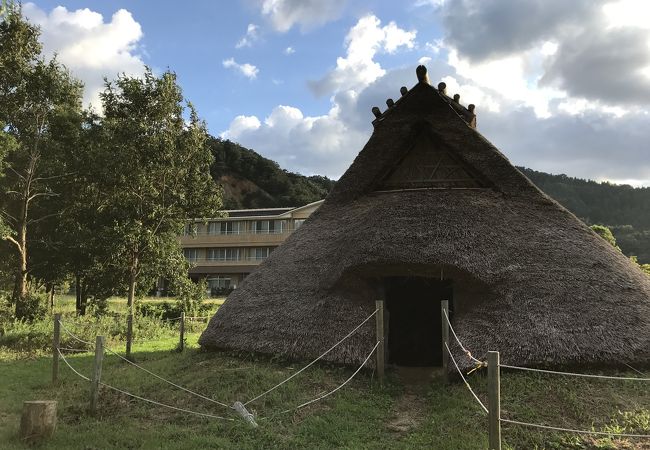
<point>234,239</point>
<point>206,262</point>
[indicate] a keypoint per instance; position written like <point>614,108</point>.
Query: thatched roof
<point>546,289</point>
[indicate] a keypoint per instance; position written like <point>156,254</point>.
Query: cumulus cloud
<point>545,124</point>
<point>284,14</point>
<point>89,46</point>
<point>289,51</point>
<point>592,49</point>
<point>248,70</point>
<point>358,68</point>
<point>252,35</point>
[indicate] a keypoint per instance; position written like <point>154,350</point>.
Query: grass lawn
<point>361,415</point>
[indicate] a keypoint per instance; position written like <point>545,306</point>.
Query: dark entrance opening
<point>414,320</point>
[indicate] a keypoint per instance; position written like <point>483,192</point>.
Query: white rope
<point>171,320</point>
<point>314,361</point>
<point>572,374</point>
<point>569,430</point>
<point>164,404</point>
<point>74,336</point>
<point>467,352</point>
<point>141,398</point>
<point>71,368</point>
<point>465,381</point>
<point>167,381</point>
<point>637,371</point>
<point>339,387</point>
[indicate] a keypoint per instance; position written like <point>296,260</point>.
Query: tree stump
<point>38,421</point>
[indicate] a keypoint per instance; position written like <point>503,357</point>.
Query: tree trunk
<point>77,290</point>
<point>83,298</point>
<point>50,290</point>
<point>38,420</point>
<point>133,274</point>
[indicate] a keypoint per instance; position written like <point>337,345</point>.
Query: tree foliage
<point>272,186</point>
<point>39,103</point>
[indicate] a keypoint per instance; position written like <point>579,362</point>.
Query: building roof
<point>547,290</point>
<point>261,213</point>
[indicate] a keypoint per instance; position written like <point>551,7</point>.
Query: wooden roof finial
<point>421,72</point>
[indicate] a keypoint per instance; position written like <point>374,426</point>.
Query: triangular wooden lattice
<point>430,166</point>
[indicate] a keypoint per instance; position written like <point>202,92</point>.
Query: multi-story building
<point>225,250</point>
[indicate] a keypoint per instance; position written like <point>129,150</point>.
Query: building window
<point>260,253</point>
<point>191,254</point>
<point>189,229</point>
<point>298,223</point>
<point>261,227</point>
<point>228,227</point>
<point>223,254</point>
<point>220,285</point>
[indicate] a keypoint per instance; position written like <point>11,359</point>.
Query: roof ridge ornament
<point>421,72</point>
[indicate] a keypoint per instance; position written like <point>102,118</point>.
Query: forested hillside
<point>624,209</point>
<point>252,181</point>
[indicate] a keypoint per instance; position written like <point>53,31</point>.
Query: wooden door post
<point>444,313</point>
<point>494,401</point>
<point>56,344</point>
<point>381,362</point>
<point>97,373</point>
<point>181,343</point>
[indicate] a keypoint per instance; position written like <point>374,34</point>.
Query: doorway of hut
<point>414,319</point>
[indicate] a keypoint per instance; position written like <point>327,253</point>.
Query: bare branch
<point>41,194</point>
<point>10,239</point>
<point>47,216</point>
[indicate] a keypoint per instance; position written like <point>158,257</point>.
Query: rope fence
<point>314,361</point>
<point>483,407</point>
<point>492,409</point>
<point>240,408</point>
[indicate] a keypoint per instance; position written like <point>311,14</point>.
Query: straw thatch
<point>530,279</point>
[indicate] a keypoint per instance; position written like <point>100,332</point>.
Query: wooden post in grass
<point>181,343</point>
<point>444,327</point>
<point>129,335</point>
<point>494,401</point>
<point>381,361</point>
<point>97,373</point>
<point>56,344</point>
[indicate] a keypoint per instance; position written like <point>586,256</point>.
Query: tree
<point>605,233</point>
<point>151,172</point>
<point>38,101</point>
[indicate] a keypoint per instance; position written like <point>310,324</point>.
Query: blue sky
<point>559,86</point>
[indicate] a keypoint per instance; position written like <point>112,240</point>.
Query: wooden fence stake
<point>56,344</point>
<point>181,343</point>
<point>38,421</point>
<point>381,361</point>
<point>444,313</point>
<point>129,335</point>
<point>494,401</point>
<point>97,373</point>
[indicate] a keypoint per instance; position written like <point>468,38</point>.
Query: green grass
<point>357,416</point>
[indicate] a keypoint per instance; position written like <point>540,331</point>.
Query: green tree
<point>39,100</point>
<point>152,173</point>
<point>605,233</point>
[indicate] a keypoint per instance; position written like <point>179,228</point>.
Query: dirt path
<point>411,406</point>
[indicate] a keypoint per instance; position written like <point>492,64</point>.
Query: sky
<point>559,86</point>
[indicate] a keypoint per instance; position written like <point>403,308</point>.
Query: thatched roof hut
<point>431,210</point>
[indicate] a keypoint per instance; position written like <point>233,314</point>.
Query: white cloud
<point>284,14</point>
<point>252,35</point>
<point>289,51</point>
<point>90,47</point>
<point>358,68</point>
<point>248,70</point>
